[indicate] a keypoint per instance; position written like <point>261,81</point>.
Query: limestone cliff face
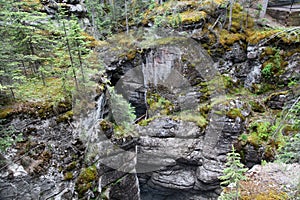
<point>181,152</point>
<point>179,156</point>
<point>178,147</point>
<point>191,105</point>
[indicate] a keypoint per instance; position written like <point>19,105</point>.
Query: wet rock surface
<point>32,169</point>
<point>52,162</point>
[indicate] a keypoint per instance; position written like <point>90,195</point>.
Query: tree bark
<point>80,61</point>
<point>264,9</point>
<point>230,14</point>
<point>71,57</point>
<point>126,13</point>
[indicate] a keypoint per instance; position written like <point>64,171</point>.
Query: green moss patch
<point>105,125</point>
<point>68,116</point>
<point>86,179</point>
<point>256,106</point>
<point>42,110</point>
<point>227,38</point>
<point>6,112</point>
<point>145,122</point>
<point>190,17</point>
<point>68,176</point>
<point>192,117</point>
<point>234,113</point>
<point>159,104</point>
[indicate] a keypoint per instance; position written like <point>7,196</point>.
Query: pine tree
<point>35,48</point>
<point>233,173</point>
<point>25,47</point>
<point>72,48</point>
<point>109,16</point>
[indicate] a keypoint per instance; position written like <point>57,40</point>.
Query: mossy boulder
<point>106,127</point>
<point>277,100</point>
<point>146,121</point>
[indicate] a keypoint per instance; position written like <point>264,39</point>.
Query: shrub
<point>290,152</point>
<point>8,137</point>
<point>233,174</point>
<point>123,113</point>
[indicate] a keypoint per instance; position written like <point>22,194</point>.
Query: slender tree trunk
<point>23,65</point>
<point>63,85</point>
<point>71,58</point>
<point>237,192</point>
<point>230,14</point>
<point>43,77</point>
<point>12,94</point>
<point>35,63</point>
<point>127,26</point>
<point>264,9</point>
<point>247,13</point>
<point>33,53</point>
<point>94,28</point>
<point>80,62</point>
<point>31,68</point>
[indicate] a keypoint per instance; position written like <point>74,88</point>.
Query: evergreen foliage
<point>113,16</point>
<point>289,153</point>
<point>122,113</point>
<point>233,173</point>
<point>8,137</point>
<point>35,48</point>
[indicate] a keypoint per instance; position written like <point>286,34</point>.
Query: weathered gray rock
<point>224,66</point>
<point>37,168</point>
<point>252,155</point>
<point>277,100</point>
<point>74,7</point>
<point>174,179</point>
<point>292,71</point>
<point>204,154</point>
<point>165,127</point>
<point>78,9</point>
<point>237,54</point>
<point>254,77</point>
<point>163,150</point>
<point>279,177</point>
<point>118,185</point>
<point>210,171</point>
<point>253,52</point>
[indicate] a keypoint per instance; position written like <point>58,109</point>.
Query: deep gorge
<point>161,115</point>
